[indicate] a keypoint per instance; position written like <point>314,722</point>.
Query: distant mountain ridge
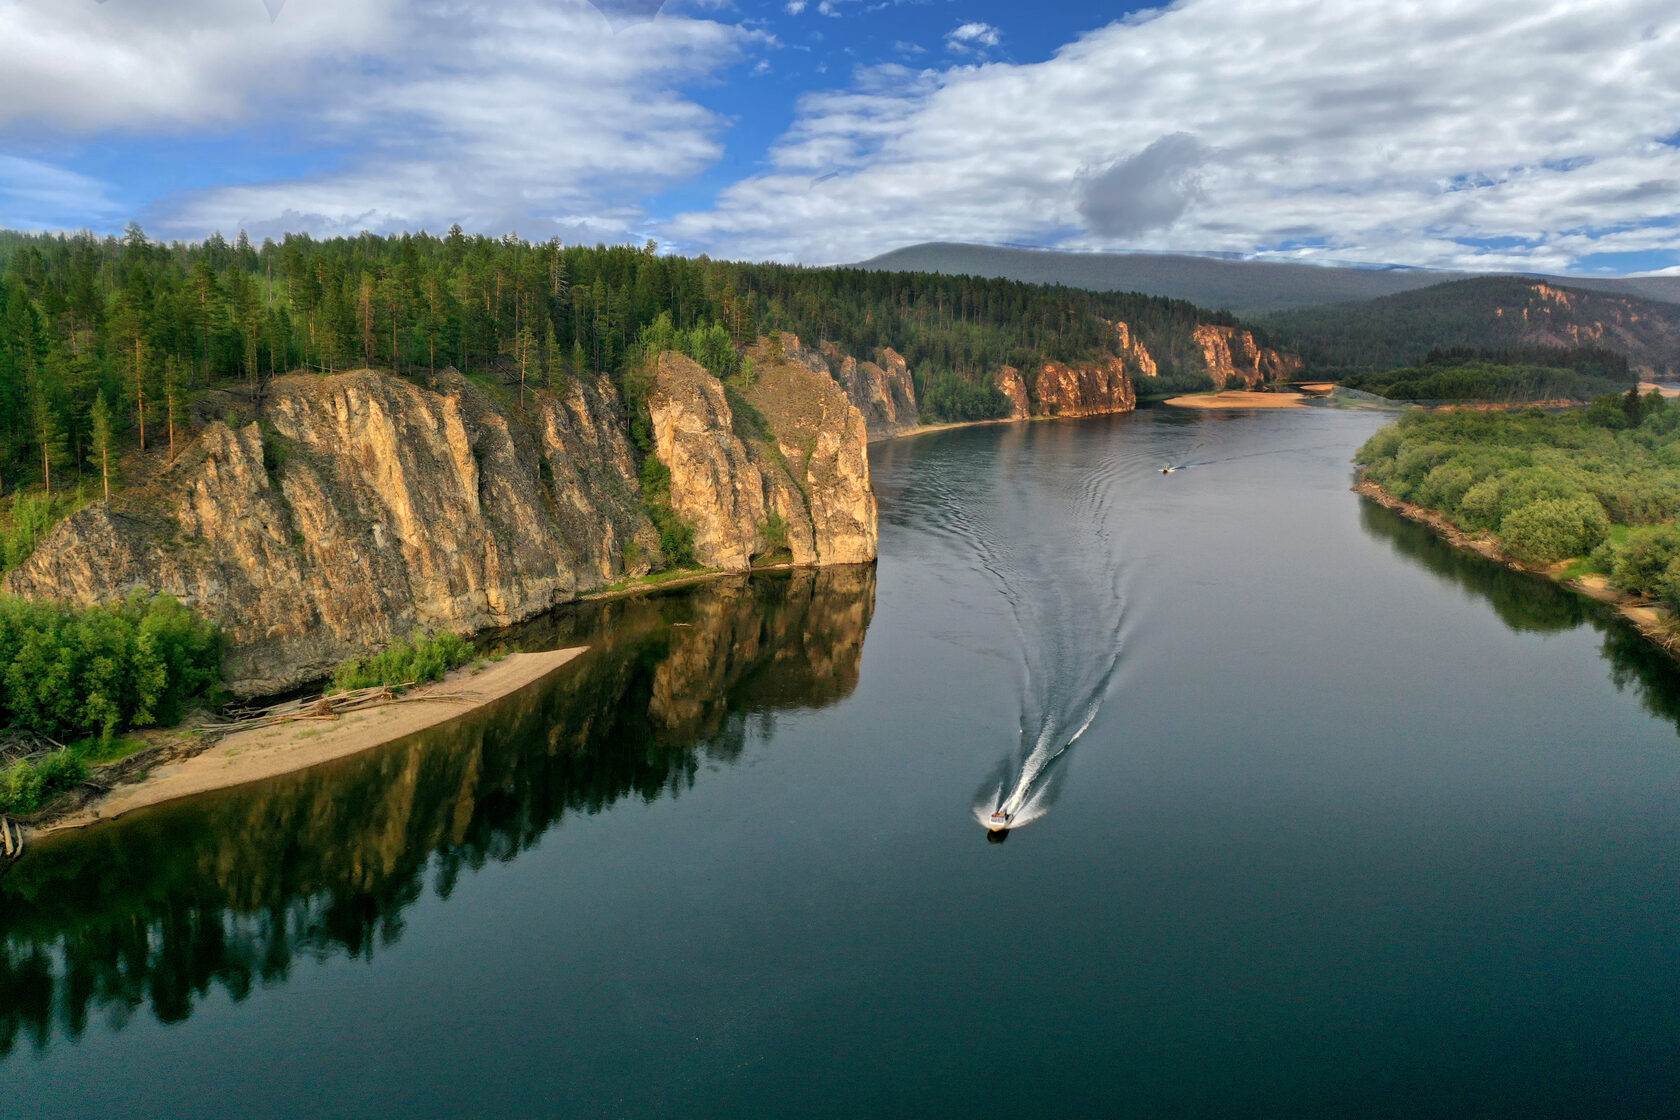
<point>1245,287</point>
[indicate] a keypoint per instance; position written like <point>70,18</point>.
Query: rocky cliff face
<point>365,506</point>
<point>1090,390</point>
<point>883,392</point>
<point>1135,351</point>
<point>790,444</point>
<point>1009,383</point>
<point>1233,355</point>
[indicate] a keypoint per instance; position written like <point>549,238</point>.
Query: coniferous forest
<point>103,341</point>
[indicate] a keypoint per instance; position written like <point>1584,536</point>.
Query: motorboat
<point>1000,821</point>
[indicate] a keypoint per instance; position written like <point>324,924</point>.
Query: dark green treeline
<point>144,325</point>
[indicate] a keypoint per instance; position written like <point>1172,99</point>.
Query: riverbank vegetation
<point>419,658</point>
<point>83,675</point>
<point>72,672</point>
<point>1600,486</point>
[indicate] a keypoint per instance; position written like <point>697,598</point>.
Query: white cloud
<point>794,7</point>
<point>1512,133</point>
<point>129,64</point>
<point>972,37</point>
<point>531,114</point>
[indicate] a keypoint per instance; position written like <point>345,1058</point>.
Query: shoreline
<point>1650,621</point>
<point>265,752</point>
<point>1240,398</point>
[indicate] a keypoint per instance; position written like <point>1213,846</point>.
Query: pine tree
<point>174,398</point>
<point>49,430</point>
<point>102,441</point>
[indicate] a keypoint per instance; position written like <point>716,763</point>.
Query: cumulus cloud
<point>531,115</point>
<point>1509,133</point>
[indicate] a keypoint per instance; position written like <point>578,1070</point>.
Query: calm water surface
<point>1317,818</point>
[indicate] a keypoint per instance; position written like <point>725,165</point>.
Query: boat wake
<point>1047,541</point>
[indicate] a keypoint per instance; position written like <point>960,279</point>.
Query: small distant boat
<point>1166,470</point>
<point>1000,820</point>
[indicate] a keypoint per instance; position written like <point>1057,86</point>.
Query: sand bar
<point>266,752</point>
<point>1238,398</point>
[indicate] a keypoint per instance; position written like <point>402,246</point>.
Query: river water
<point>1312,817</point>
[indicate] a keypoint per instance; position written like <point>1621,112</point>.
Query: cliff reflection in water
<point>230,889</point>
<point>1532,604</point>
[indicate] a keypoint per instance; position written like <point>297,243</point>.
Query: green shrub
<point>676,538</point>
<point>774,532</point>
<point>20,788</point>
<point>1641,563</point>
<point>1667,588</point>
<point>26,786</point>
<point>68,672</point>
<point>1553,529</point>
<point>414,660</point>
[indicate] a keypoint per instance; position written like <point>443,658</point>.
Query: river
<point>1310,815</point>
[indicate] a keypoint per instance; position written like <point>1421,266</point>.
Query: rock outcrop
<point>1089,390</point>
<point>1233,355</point>
<point>1133,348</point>
<point>1009,383</point>
<point>789,444</point>
<point>364,506</point>
<point>882,392</point>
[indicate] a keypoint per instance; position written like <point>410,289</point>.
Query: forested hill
<point>146,326</point>
<point>1487,313</point>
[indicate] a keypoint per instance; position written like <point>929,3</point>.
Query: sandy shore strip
<point>1240,398</point>
<point>265,752</point>
<point>1667,388</point>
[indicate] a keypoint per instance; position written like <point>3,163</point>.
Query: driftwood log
<point>321,707</point>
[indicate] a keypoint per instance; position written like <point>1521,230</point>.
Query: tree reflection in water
<point>229,889</point>
<point>1531,603</point>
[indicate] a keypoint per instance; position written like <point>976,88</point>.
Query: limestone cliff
<point>790,443</point>
<point>363,506</point>
<point>1233,355</point>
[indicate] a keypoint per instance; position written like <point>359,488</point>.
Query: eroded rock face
<point>1091,390</point>
<point>373,506</point>
<point>1232,355</point>
<point>1134,350</point>
<point>1009,383</point>
<point>791,444</point>
<point>883,393</point>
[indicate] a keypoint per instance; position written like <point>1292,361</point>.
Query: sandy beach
<point>1239,398</point>
<point>265,752</point>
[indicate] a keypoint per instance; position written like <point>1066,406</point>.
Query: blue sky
<point>1537,135</point>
